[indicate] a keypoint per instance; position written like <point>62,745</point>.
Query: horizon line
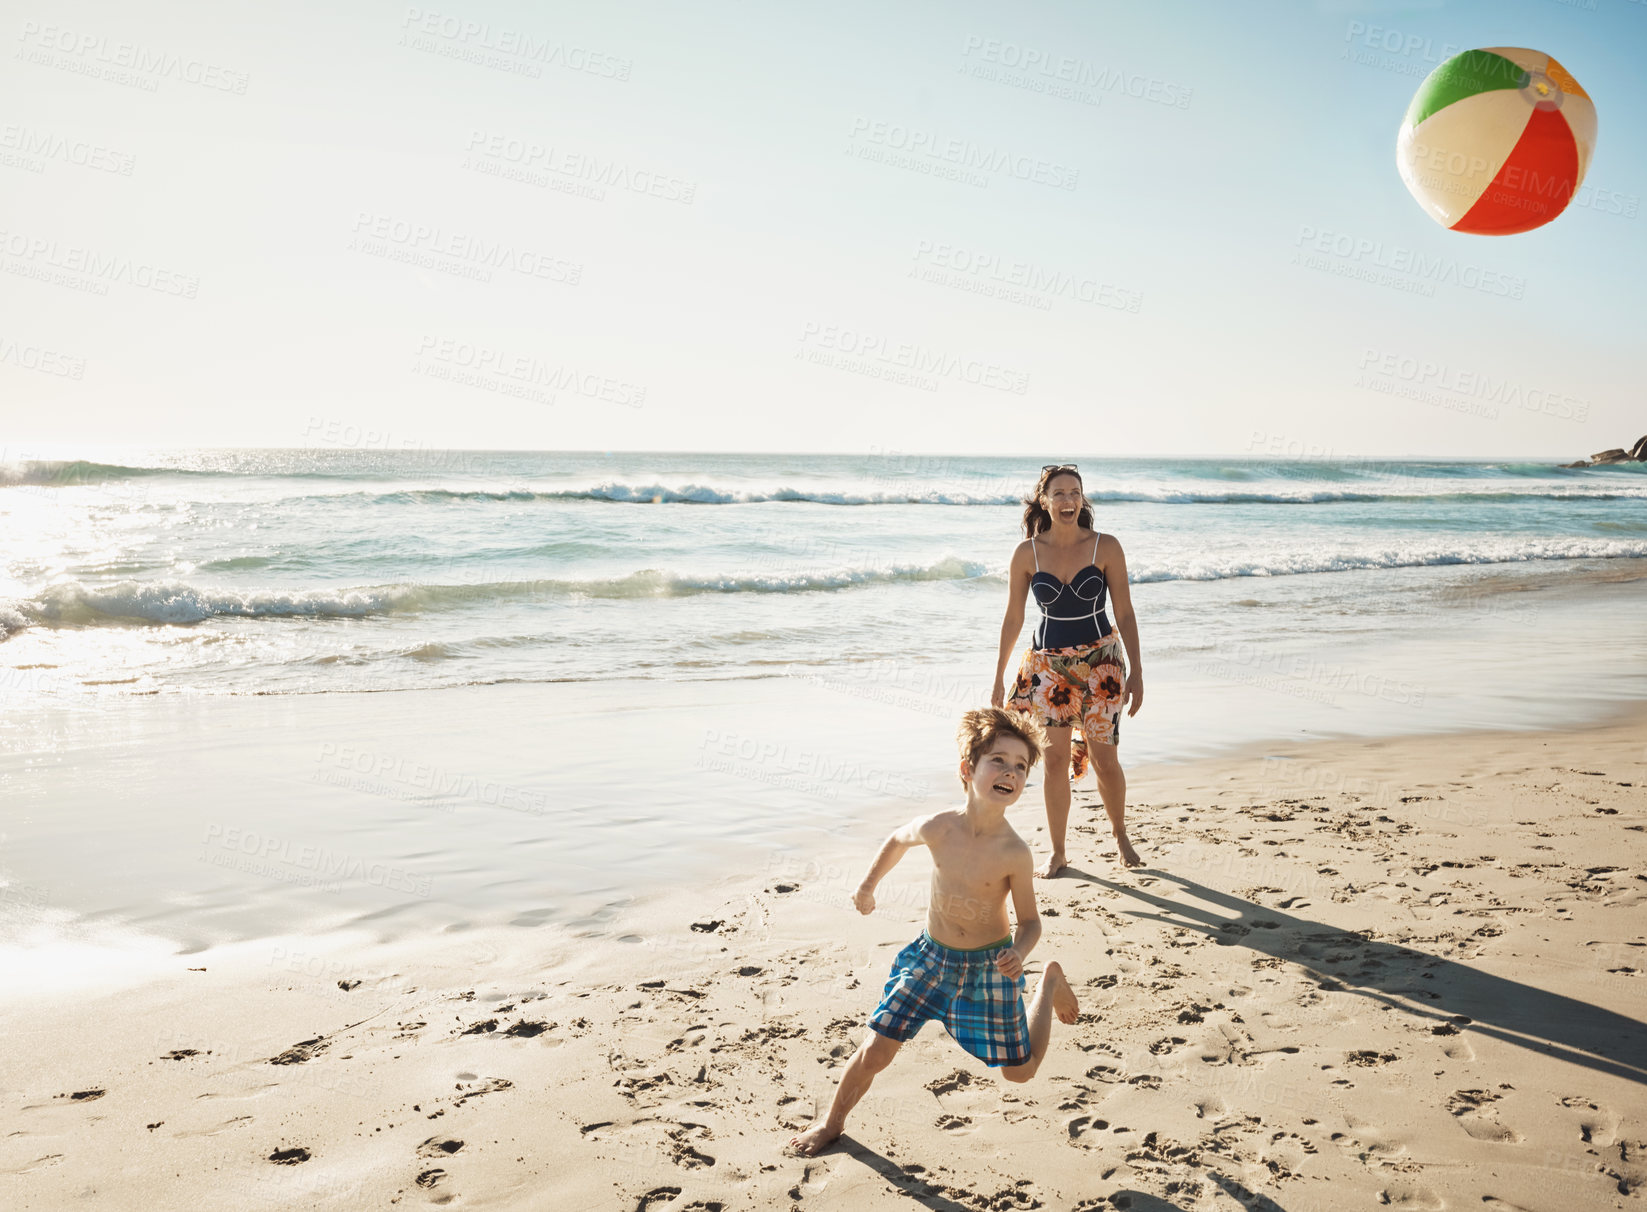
<point>1327,456</point>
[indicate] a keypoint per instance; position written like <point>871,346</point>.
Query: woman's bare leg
<point>1056,776</point>
<point>1112,786</point>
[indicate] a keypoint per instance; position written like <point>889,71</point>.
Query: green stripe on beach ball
<point>1465,75</point>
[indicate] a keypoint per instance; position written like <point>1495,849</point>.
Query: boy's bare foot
<point>1129,856</point>
<point>1064,1003</point>
<point>819,1136</point>
<point>1055,863</point>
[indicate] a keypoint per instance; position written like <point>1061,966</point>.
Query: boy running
<point>966,969</point>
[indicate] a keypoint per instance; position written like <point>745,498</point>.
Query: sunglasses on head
<point>1045,467</point>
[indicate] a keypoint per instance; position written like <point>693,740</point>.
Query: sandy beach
<point>1403,972</point>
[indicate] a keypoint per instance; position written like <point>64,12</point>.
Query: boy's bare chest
<point>972,866</point>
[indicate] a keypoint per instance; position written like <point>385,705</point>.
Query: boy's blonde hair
<point>983,726</point>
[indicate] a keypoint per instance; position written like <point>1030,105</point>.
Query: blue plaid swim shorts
<point>965,991</point>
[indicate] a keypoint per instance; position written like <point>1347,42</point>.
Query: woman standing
<point>1073,674</point>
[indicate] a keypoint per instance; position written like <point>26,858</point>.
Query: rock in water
<point>1636,454</point>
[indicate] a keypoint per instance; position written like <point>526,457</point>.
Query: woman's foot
<point>1055,863</point>
<point>1129,856</point>
<point>1064,1003</point>
<point>816,1139</point>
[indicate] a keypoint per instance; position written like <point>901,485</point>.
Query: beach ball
<point>1496,141</point>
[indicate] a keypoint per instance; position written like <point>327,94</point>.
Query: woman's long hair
<point>1036,516</point>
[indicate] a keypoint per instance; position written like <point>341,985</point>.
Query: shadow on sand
<point>929,1195</point>
<point>915,1185</point>
<point>1456,993</point>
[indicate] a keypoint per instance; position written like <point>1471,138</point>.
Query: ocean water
<point>253,694</point>
<point>319,571</point>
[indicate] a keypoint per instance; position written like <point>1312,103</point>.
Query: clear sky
<point>1162,227</point>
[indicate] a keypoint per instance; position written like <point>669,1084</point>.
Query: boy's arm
<point>1027,931</point>
<point>902,840</point>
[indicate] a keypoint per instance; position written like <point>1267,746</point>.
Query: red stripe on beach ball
<point>1535,184</point>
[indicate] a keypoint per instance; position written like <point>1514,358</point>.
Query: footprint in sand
<point>1456,1046</point>
<point>298,1053</point>
<point>796,1113</point>
<point>1209,1106</point>
<point>814,1178</point>
<point>965,1096</point>
<point>491,1085</point>
<point>688,1158</point>
<point>1596,1124</point>
<point>840,1039</point>
<point>1467,1106</point>
<point>957,1079</point>
<point>1409,1195</point>
<point>1368,1058</point>
<point>645,1090</point>
<point>611,1130</point>
<point>439,1146</point>
<point>1228,1045</point>
<point>657,1197</point>
<point>1082,1124</point>
<point>643,1135</point>
<point>682,1153</point>
<point>694,1037</point>
<point>954,1123</point>
<point>1369,1145</point>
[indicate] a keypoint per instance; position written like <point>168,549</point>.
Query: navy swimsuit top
<point>1072,613</point>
